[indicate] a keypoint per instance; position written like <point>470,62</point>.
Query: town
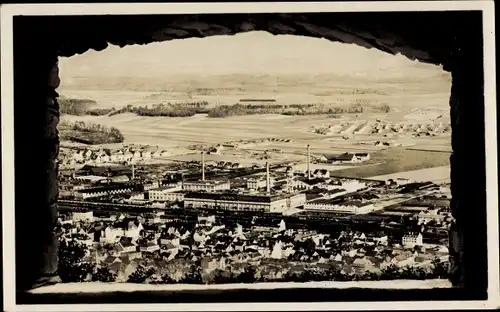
<point>229,222</point>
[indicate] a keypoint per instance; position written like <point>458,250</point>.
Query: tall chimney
<point>268,186</point>
<point>133,171</point>
<point>308,162</point>
<point>203,166</point>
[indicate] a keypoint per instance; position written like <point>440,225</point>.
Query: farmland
<point>180,133</point>
<point>402,123</point>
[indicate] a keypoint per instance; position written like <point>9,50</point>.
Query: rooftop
<point>238,197</point>
<point>334,201</point>
<point>206,182</point>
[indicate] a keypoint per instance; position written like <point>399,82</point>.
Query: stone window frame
<point>37,47</point>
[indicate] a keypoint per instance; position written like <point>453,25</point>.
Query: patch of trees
<point>250,275</point>
<point>100,111</point>
<point>77,107</point>
<point>184,109</point>
<point>289,109</point>
<point>72,267</point>
<point>90,133</point>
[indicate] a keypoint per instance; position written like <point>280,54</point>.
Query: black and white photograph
<point>249,156</point>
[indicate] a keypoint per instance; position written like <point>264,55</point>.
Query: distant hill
<point>254,58</point>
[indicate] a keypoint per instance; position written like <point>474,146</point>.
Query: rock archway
<point>451,39</point>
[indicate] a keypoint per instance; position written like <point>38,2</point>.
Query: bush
<point>103,274</point>
<point>193,277</point>
<point>141,275</point>
<point>71,268</point>
<point>248,276</point>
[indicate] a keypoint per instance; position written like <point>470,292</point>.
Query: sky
<point>244,53</point>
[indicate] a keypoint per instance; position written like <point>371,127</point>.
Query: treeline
<point>77,107</point>
<point>80,107</point>
<point>250,275</point>
<point>290,110</point>
<point>90,133</point>
<point>185,109</point>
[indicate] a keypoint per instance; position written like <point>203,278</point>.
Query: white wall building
<point>207,186</point>
<point>264,203</point>
<point>167,193</point>
<point>345,207</point>
<point>412,239</point>
<point>82,216</point>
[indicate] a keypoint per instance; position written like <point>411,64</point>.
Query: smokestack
<point>268,186</point>
<point>133,171</point>
<point>203,166</point>
<point>308,162</point>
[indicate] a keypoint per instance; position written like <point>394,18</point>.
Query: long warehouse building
<point>242,202</point>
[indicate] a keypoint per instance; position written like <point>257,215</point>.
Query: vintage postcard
<point>249,156</point>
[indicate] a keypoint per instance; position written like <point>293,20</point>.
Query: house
<point>82,216</point>
<point>149,247</point>
<point>120,178</point>
<point>321,173</point>
<point>345,158</point>
<point>136,155</point>
<point>170,241</point>
<point>111,235</point>
<point>411,240</point>
<point>215,150</point>
<point>125,245</point>
<point>328,158</point>
<point>132,229</point>
<point>130,255</point>
<point>146,154</point>
<point>306,184</point>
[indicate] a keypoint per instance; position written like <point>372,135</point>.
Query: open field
<point>177,134</point>
<point>436,174</point>
<point>397,159</point>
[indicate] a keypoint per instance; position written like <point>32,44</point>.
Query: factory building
<point>164,193</point>
<point>207,186</point>
<point>238,202</point>
<point>333,205</point>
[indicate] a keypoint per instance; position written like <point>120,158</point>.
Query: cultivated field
<point>177,134</point>
<point>418,119</point>
<point>436,174</point>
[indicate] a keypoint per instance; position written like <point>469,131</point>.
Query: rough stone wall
<point>425,36</point>
<point>36,115</point>
<point>468,235</point>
